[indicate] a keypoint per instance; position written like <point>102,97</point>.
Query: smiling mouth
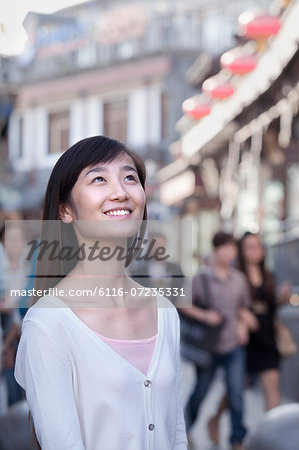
<point>118,212</point>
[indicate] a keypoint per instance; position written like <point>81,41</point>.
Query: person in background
<point>230,302</point>
<point>262,353</point>
<point>164,274</point>
<point>15,270</point>
<point>2,294</point>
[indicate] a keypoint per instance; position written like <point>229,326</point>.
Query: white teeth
<point>119,212</point>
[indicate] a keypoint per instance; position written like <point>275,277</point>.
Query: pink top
<point>138,352</point>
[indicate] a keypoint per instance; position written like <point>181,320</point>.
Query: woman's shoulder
<point>169,310</point>
<point>163,302</point>
<point>46,311</point>
<point>44,340</point>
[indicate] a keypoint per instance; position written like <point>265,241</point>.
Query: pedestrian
<point>262,353</point>
<point>229,302</point>
<point>100,372</point>
<point>2,296</point>
<point>15,273</point>
<point>160,274</point>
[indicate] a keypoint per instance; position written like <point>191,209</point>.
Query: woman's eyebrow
<point>127,168</point>
<point>104,169</point>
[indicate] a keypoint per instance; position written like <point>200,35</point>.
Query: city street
<point>254,410</point>
<point>149,148</point>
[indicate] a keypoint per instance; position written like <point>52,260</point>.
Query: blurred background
<point>206,91</point>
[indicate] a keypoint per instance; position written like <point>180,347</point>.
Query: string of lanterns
<point>235,62</point>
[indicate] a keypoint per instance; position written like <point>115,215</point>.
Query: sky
<point>12,14</point>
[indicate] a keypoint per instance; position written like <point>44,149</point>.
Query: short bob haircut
<point>85,153</point>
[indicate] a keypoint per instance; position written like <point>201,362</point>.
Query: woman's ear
<point>65,214</point>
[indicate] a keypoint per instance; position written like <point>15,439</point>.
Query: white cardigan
<point>83,395</point>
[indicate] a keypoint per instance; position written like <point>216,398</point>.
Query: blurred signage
<point>49,35</point>
<point>60,39</point>
<point>122,23</point>
<point>110,27</point>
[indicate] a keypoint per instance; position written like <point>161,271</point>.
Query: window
<point>59,127</point>
<point>116,119</point>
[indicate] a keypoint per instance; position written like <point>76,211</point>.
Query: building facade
<point>116,68</point>
<point>239,164</point>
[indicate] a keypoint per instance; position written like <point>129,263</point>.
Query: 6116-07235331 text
<point>100,291</point>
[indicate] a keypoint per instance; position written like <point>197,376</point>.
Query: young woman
<point>262,353</point>
<point>100,371</point>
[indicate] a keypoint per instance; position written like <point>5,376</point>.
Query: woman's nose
<point>118,192</point>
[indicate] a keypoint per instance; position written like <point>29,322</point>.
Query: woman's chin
<point>111,227</point>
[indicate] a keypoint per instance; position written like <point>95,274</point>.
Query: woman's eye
<point>98,179</point>
<point>130,178</point>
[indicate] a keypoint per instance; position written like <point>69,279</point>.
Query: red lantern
<point>196,110</point>
<point>237,63</point>
<point>259,27</point>
<point>216,89</point>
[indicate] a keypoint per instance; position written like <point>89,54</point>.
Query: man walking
<point>229,302</point>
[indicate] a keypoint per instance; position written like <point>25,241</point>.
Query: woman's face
<point>110,192</point>
<point>253,251</point>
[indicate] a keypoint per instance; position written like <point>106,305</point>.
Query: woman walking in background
<point>262,353</point>
<point>100,372</point>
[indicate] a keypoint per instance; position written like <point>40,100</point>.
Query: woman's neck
<point>106,257</point>
<point>254,273</point>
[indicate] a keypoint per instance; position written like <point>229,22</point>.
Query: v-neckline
<point>102,343</point>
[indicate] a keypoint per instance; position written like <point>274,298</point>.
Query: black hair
<point>267,277</point>
<point>242,262</point>
<point>85,153</point>
<point>222,238</point>
<point>2,233</point>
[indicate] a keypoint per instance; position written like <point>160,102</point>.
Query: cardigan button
<point>151,426</point>
<point>147,383</point>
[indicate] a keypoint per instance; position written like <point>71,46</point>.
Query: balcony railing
<point>162,35</point>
